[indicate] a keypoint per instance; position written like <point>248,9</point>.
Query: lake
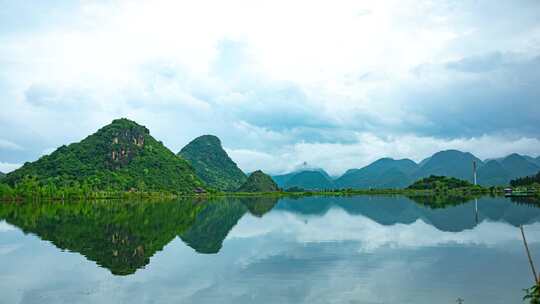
<point>359,249</point>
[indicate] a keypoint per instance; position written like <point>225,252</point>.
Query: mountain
<point>258,181</point>
<point>282,179</point>
<point>2,175</point>
<point>383,173</point>
<point>212,164</point>
<point>492,173</point>
<point>450,163</point>
<point>310,179</point>
<point>122,156</point>
<point>531,159</point>
<point>519,166</point>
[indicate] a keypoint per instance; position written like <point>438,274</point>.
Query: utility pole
<point>475,199</point>
<point>474,171</point>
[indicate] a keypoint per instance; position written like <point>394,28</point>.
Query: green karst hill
<point>258,181</point>
<point>120,156</point>
<point>212,164</point>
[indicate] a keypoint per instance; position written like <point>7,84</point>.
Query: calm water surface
<point>263,250</point>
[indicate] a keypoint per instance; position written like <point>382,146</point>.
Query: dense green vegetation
<point>434,182</point>
<point>526,181</point>
<point>258,181</point>
<point>29,189</point>
<point>212,164</point>
<point>120,237</point>
<point>121,156</point>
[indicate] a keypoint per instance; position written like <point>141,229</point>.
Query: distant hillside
<point>2,175</point>
<point>451,163</point>
<point>533,160</point>
<point>259,182</point>
<point>519,166</point>
<point>282,179</point>
<point>307,179</point>
<point>383,173</point>
<point>390,173</point>
<point>120,156</point>
<point>312,180</point>
<point>493,173</point>
<point>212,164</point>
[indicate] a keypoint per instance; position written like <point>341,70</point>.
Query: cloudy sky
<point>335,83</point>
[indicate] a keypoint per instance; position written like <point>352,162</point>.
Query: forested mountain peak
<point>121,155</point>
<point>212,163</point>
<point>258,181</point>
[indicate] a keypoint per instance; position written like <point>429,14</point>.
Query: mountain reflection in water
<point>124,237</point>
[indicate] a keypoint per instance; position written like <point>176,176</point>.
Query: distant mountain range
<point>392,173</point>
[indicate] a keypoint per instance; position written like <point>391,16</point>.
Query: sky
<point>336,84</point>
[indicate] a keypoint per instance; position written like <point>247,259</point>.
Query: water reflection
<point>218,217</point>
<point>123,236</point>
<point>118,236</point>
<point>242,250</point>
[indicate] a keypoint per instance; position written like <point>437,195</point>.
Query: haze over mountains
<point>392,173</point>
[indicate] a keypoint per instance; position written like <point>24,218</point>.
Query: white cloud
<point>5,227</point>
<point>8,167</point>
<point>336,158</point>
<point>338,225</point>
<point>335,84</point>
<point>6,144</point>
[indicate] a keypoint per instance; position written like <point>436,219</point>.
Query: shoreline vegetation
<point>30,190</point>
